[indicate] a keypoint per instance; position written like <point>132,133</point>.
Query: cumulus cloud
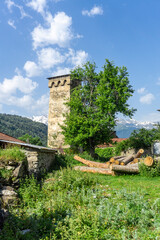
<point>147,99</point>
<point>11,23</point>
<point>141,90</point>
<point>96,10</point>
<point>37,5</point>
<point>32,70</point>
<point>18,82</point>
<point>59,32</point>
<point>41,105</point>
<point>77,58</point>
<point>48,57</point>
<point>61,71</point>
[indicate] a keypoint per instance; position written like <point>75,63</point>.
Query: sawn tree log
<point>125,169</point>
<point>91,163</point>
<point>93,170</point>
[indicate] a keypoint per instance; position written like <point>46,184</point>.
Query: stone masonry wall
<point>39,161</point>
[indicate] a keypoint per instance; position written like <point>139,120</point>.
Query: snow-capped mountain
<point>126,126</point>
<point>41,119</point>
<point>123,129</point>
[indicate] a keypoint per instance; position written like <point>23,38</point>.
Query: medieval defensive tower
<point>60,91</point>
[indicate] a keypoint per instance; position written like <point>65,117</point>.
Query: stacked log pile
<point>116,165</point>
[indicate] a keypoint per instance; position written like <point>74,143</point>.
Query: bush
<point>122,146</point>
<point>13,153</point>
<point>146,171</point>
<point>106,153</point>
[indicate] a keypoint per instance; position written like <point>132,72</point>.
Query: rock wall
<point>39,161</point>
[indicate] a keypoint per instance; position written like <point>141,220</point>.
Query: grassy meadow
<point>71,205</point>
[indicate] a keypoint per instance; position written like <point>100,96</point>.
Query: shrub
<point>13,153</point>
<point>122,146</point>
<point>106,153</point>
<point>146,171</point>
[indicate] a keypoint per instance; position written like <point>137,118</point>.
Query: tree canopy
<point>95,103</point>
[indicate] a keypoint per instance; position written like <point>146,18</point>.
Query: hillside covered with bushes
<point>17,126</point>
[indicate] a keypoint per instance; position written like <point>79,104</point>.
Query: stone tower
<point>60,90</point>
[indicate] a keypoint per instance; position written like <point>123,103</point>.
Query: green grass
<point>72,205</point>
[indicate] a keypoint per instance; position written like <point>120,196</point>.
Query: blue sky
<point>44,38</point>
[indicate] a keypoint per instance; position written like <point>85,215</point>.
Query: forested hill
<point>17,126</point>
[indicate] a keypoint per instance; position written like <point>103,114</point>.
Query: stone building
<point>60,91</point>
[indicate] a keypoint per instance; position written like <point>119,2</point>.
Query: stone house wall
<point>39,161</point>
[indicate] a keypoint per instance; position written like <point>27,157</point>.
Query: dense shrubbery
<point>153,171</point>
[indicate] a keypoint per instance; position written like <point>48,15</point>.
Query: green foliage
<point>5,174</point>
<point>95,103</point>
<point>142,138</point>
<point>106,153</point>
<point>32,140</point>
<point>122,146</point>
<point>17,126</point>
<point>69,204</point>
<point>146,171</point>
<point>12,153</point>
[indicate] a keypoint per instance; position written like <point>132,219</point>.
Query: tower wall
<point>60,89</point>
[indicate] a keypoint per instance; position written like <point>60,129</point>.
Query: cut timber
<point>148,161</point>
<point>136,160</point>
<point>117,157</point>
<point>128,159</point>
<point>91,163</point>
<point>139,153</point>
<point>125,169</point>
<point>94,170</point>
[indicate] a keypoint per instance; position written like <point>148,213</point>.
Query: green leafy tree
<point>32,140</point>
<point>94,105</point>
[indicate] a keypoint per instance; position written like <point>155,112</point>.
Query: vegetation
<point>13,153</point>
<point>17,126</point>
<point>95,103</point>
<point>32,140</point>
<point>75,205</point>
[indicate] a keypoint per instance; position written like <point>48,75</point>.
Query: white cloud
<point>11,23</point>
<point>96,10</point>
<point>32,69</point>
<point>11,4</point>
<point>77,58</point>
<point>37,5</point>
<point>61,71</point>
<point>18,82</point>
<point>59,32</point>
<point>141,90</point>
<point>147,99</point>
<point>41,105</point>
<point>48,57</point>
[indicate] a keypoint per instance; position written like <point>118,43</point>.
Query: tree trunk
<point>125,169</point>
<point>139,153</point>
<point>148,161</point>
<point>128,159</point>
<point>93,170</point>
<point>91,163</point>
<point>92,148</point>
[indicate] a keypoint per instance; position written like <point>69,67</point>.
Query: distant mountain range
<point>123,129</point>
